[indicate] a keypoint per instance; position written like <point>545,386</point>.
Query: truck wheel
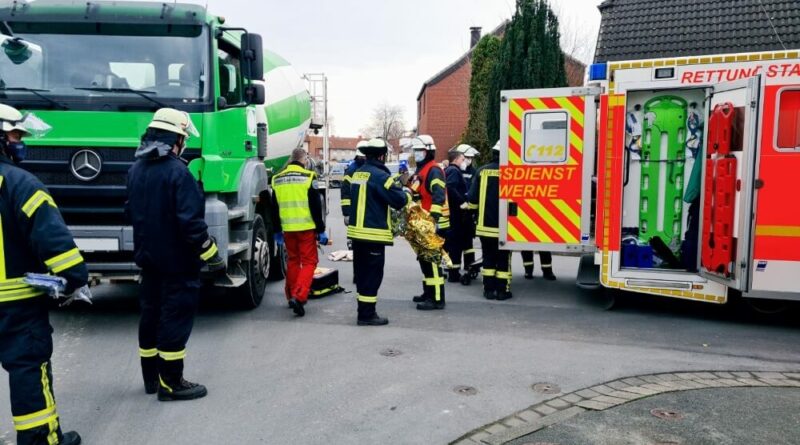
<point>277,266</point>
<point>257,267</point>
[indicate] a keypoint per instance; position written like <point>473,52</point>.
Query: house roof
<point>650,29</point>
<point>453,67</point>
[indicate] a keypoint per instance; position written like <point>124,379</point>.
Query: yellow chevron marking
<point>553,222</point>
<point>573,217</point>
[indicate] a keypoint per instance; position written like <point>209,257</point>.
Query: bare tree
<point>387,122</point>
<point>578,35</point>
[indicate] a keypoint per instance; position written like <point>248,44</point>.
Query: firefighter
<point>171,244</point>
<point>373,191</point>
<point>300,225</point>
<point>33,238</point>
<point>460,221</point>
<point>430,186</point>
<point>469,235</point>
<point>484,196</point>
<point>546,260</point>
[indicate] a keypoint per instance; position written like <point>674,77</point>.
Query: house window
<point>788,131</point>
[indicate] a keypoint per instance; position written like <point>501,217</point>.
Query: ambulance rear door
<point>547,160</point>
<point>728,188</point>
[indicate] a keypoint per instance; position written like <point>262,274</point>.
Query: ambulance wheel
<point>256,268</point>
<point>609,299</point>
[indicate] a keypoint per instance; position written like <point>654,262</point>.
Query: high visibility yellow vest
<point>291,190</point>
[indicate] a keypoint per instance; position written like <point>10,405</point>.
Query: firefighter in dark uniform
<point>344,189</point>
<point>171,244</point>
<point>460,221</point>
<point>373,191</point>
<point>469,234</point>
<point>546,260</point>
<point>484,196</point>
<point>33,238</point>
<point>430,185</point>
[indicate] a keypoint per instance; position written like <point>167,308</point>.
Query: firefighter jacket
<point>469,173</point>
<point>456,194</point>
<point>345,187</point>
<point>33,237</point>
<point>373,191</point>
<point>298,205</point>
<point>432,189</point>
<point>167,210</point>
<point>484,196</point>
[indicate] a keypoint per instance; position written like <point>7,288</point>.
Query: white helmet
<point>361,144</point>
<point>467,150</point>
<point>375,146</point>
<point>174,121</point>
<point>423,142</point>
<point>28,124</point>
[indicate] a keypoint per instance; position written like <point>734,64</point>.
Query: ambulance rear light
<point>598,71</point>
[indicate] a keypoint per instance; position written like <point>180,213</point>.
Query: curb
<point>615,393</point>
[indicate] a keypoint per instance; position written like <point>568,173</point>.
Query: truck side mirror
<point>252,56</point>
<point>255,94</point>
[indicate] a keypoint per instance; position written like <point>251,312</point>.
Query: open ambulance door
<point>727,215</point>
<point>547,160</point>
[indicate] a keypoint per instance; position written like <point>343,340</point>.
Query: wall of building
<point>443,109</point>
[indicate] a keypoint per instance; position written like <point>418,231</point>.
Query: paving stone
<point>705,375</point>
<point>792,375</point>
<point>678,385</point>
<point>641,390</point>
<point>743,374</point>
<point>634,381</point>
<point>479,437</point>
<point>588,393</point>
<point>495,429</point>
<point>668,377</point>
<point>724,375</point>
<point>513,421</point>
<point>774,382</point>
<point>753,382</point>
<point>625,395</point>
<point>686,375</point>
<point>572,398</point>
<point>769,375</point>
<point>529,415</point>
<point>523,430</point>
<point>544,409</point>
<point>732,382</point>
<point>657,387</point>
<point>466,441</point>
<point>591,404</point>
<point>610,400</point>
<point>714,383</point>
<point>558,403</point>
<point>652,379</point>
<point>602,389</point>
<point>693,384</point>
<point>618,385</point>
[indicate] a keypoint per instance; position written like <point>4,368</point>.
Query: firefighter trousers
<point>496,266</point>
<point>369,259</point>
<point>25,349</point>
<point>432,280</point>
<point>168,307</point>
<point>545,258</point>
<point>301,248</point>
<point>454,245</point>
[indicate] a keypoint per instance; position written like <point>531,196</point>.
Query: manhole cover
<point>546,388</point>
<point>667,414</point>
<point>389,352</point>
<point>465,390</point>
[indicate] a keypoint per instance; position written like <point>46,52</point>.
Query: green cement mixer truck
<point>96,72</point>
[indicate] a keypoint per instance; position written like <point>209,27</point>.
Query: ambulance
<point>673,177</point>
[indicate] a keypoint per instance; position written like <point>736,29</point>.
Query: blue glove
<point>323,239</point>
<point>278,238</point>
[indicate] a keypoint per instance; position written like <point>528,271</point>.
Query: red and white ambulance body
<point>604,170</point>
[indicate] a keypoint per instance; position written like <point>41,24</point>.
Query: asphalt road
<point>276,379</point>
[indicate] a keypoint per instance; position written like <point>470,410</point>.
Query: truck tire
<point>251,293</point>
<point>277,265</point>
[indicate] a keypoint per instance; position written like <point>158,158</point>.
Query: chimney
<point>475,36</point>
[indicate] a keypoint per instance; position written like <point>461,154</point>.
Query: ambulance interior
<point>664,139</point>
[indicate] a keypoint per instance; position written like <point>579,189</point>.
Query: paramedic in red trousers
<point>33,238</point>
<point>171,245</point>
<point>373,191</point>
<point>460,234</point>
<point>484,197</point>
<point>429,184</point>
<point>298,223</point>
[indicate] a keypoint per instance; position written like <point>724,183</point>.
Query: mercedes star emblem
<point>86,165</point>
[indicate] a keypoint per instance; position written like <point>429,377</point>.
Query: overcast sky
<point>379,50</point>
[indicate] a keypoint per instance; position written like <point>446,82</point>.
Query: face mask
<point>467,163</point>
<point>420,156</point>
<point>16,151</point>
<point>463,166</point>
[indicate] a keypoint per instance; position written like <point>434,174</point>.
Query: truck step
<point>234,248</point>
<point>230,281</point>
<point>236,213</point>
<point>588,273</point>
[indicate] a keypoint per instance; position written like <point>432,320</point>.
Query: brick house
<point>443,100</point>
<point>342,149</point>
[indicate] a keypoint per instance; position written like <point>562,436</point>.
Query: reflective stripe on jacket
<point>291,188</point>
<point>373,191</point>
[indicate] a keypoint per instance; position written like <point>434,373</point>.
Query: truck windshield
<point>104,65</point>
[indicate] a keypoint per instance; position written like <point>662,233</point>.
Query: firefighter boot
<point>420,298</point>
<point>528,272</point>
<point>297,307</point>
<point>367,316</point>
<point>430,305</point>
<point>70,438</point>
<point>172,385</point>
<point>150,374</point>
<point>454,275</point>
<point>547,271</point>
<point>489,291</point>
